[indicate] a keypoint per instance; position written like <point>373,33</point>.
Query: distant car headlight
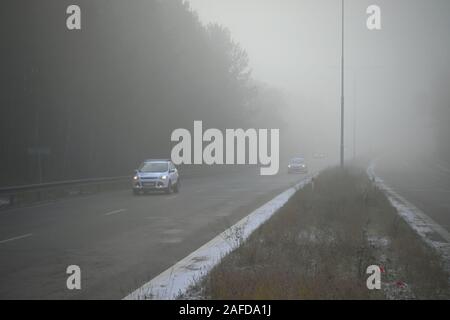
<point>163,177</point>
<point>135,178</point>
<point>289,166</point>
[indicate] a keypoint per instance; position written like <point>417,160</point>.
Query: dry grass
<point>318,247</point>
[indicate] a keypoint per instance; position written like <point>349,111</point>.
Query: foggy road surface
<point>121,241</point>
<point>423,182</point>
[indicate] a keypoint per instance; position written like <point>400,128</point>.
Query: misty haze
<point>225,150</point>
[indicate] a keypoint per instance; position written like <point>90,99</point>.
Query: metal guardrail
<point>10,196</point>
<point>60,184</point>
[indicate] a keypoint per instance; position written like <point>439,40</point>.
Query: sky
<point>390,74</point>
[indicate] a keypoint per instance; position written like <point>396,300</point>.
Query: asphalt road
<point>425,182</point>
<point>121,241</point>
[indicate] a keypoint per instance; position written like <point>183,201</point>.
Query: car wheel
<point>169,188</point>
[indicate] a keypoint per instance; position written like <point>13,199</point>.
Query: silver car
<point>156,175</point>
<point>297,165</point>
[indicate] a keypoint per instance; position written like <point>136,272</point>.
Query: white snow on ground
<point>432,233</point>
<point>177,279</point>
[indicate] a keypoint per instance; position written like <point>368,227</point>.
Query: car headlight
<point>289,166</point>
<point>135,178</point>
<point>163,177</point>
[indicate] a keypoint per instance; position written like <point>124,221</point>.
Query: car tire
<point>169,188</point>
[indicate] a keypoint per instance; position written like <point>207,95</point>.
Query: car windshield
<point>154,167</point>
<point>297,161</point>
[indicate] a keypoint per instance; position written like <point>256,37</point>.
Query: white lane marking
<point>170,197</point>
<point>16,238</point>
<point>429,189</point>
<point>115,212</point>
<point>178,278</point>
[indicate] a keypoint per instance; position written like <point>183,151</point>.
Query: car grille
<point>149,184</point>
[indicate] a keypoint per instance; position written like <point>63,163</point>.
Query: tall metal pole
<point>342,88</point>
<point>354,115</point>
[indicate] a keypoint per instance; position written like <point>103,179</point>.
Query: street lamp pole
<point>342,87</point>
<point>354,115</point>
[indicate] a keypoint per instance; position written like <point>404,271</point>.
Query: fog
<point>396,79</point>
<point>190,149</point>
<point>114,91</point>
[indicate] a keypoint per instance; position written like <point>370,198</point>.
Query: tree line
<point>96,101</point>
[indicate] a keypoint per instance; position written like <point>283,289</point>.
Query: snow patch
<point>378,242</point>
